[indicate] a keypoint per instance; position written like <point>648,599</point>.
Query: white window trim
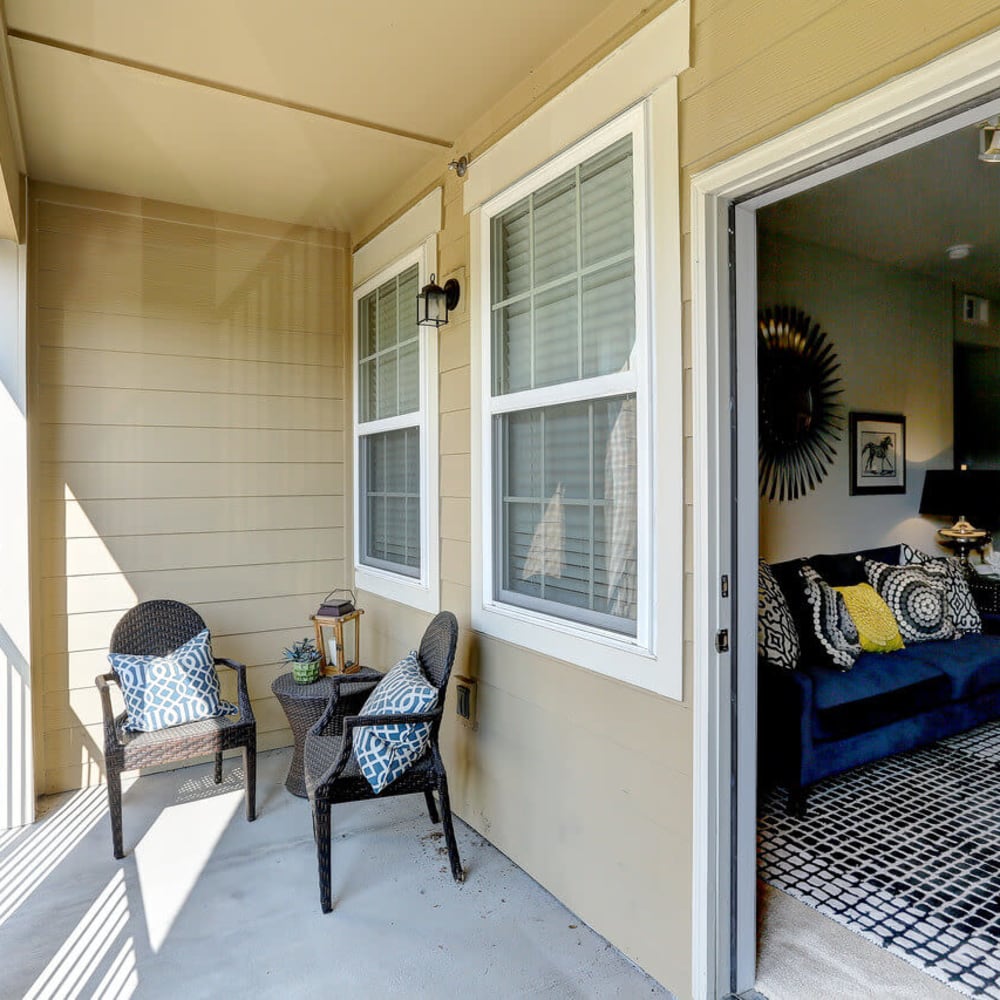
<point>653,659</point>
<point>421,592</point>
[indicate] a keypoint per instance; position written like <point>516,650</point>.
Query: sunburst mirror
<point>799,415</point>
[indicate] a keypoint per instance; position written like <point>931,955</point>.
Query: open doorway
<point>878,758</point>
<point>905,114</point>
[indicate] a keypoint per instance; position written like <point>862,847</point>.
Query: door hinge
<point>725,586</point>
<point>722,640</point>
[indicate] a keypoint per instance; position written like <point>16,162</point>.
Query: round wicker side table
<point>303,704</point>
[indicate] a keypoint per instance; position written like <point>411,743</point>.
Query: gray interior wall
<point>892,331</point>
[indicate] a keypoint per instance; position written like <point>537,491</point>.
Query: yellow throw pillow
<point>877,627</point>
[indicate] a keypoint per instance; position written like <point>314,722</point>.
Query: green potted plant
<point>305,660</point>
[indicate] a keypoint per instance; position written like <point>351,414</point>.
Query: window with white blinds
<point>565,396</point>
<point>390,442</point>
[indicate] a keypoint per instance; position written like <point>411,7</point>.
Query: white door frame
<point>947,93</point>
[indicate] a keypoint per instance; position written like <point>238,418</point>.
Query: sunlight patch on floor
<point>169,859</point>
<point>81,954</point>
<point>30,859</point>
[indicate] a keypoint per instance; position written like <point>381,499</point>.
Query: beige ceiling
<point>430,68</point>
<point>907,210</point>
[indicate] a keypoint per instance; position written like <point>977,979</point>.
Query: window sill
<point>615,656</point>
<point>401,589</point>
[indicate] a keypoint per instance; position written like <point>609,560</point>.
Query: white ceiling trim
<point>200,81</point>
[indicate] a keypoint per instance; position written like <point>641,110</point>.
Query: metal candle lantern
<point>340,648</point>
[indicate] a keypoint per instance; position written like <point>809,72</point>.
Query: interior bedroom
<point>879,586</point>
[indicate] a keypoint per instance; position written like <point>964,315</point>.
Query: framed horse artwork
<point>878,453</point>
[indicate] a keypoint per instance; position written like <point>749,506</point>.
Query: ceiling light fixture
<point>989,140</point>
<point>959,251</point>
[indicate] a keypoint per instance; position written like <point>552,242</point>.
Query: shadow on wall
<point>190,425</point>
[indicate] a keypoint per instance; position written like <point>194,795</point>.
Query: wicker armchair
<point>332,772</point>
<point>156,628</point>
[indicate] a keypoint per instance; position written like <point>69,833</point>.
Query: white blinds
<point>388,348</point>
<point>563,281</point>
<point>563,311</point>
<point>390,488</point>
<point>389,460</point>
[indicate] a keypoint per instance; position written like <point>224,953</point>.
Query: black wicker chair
<point>155,628</point>
<point>332,772</point>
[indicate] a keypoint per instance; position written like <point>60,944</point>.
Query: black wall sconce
<point>434,302</point>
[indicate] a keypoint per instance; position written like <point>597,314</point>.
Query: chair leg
<point>321,830</point>
<point>218,768</point>
<point>115,809</point>
<point>432,807</point>
<point>457,872</point>
<point>250,773</point>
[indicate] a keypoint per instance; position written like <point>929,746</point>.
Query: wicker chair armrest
<point>340,761</point>
<point>333,704</point>
<point>353,722</point>
<point>103,682</point>
<point>246,710</point>
<point>358,721</point>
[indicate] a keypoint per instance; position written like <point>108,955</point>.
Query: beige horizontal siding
<point>145,335</point>
<point>584,782</point>
<point>164,516</point>
<point>188,436</point>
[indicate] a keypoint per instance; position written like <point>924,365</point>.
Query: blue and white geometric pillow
<point>162,691</point>
<point>385,752</point>
<point>777,636</point>
<point>917,598</point>
<point>836,633</point>
<point>952,571</point>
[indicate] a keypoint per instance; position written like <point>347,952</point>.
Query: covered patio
<point>207,905</point>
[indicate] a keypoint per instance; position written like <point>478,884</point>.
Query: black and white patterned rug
<point>906,852</point>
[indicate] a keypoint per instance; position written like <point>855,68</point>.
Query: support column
<point>17,784</point>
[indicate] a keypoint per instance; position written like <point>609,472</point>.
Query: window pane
<point>387,311</point>
<point>512,347</point>
<point>608,319</point>
<point>390,491</point>
<point>367,314</point>
<point>521,522</point>
<point>524,442</point>
<point>386,403</point>
<point>554,229</point>
<point>577,233</point>
<point>567,451</point>
<point>557,329</point>
<point>572,549</point>
<point>407,304</point>
<point>409,377</point>
<point>606,203</point>
<point>368,389</point>
<point>512,252</point>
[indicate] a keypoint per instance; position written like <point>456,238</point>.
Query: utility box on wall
<point>465,701</point>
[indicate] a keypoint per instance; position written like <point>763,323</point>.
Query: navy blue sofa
<point>816,721</point>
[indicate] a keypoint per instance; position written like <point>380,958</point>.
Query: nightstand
<point>986,594</point>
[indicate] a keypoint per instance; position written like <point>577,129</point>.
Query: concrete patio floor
<point>208,905</point>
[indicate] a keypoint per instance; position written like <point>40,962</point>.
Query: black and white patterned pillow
<point>918,598</point>
<point>777,636</point>
<point>835,630</point>
<point>951,569</point>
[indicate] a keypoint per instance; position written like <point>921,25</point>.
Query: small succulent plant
<point>305,660</point>
<point>303,651</point>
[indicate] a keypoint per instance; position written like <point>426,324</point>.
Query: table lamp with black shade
<point>962,493</point>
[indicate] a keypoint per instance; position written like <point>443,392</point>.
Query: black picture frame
<point>878,453</point>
